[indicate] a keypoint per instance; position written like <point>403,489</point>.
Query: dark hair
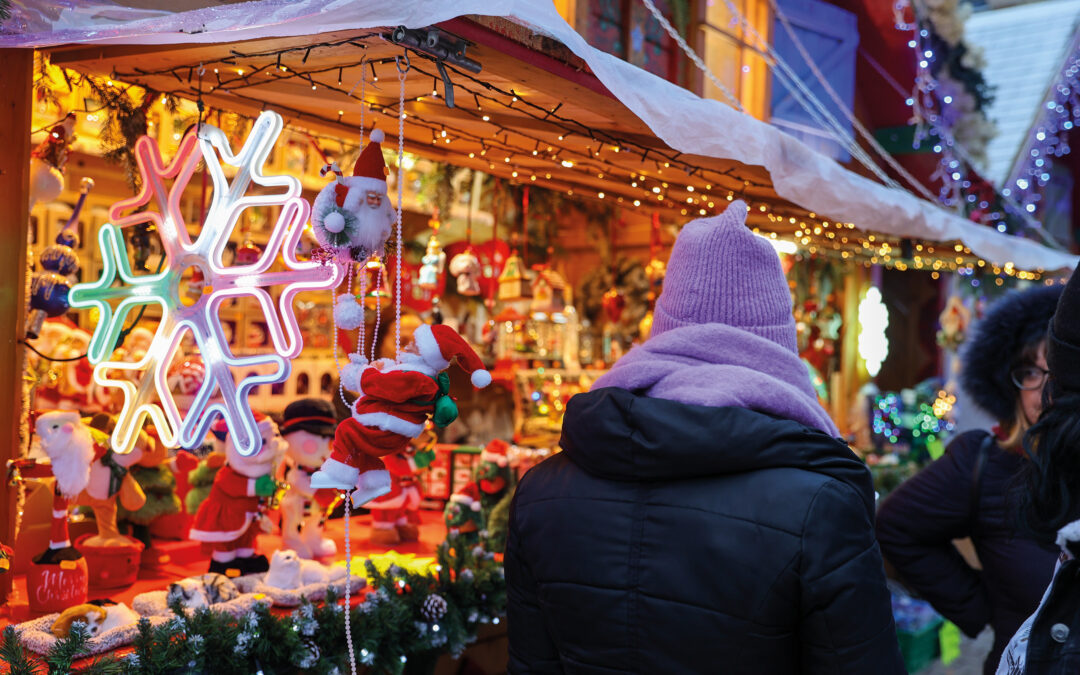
<point>1053,474</point>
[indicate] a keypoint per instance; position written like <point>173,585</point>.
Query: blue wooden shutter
<point>830,35</point>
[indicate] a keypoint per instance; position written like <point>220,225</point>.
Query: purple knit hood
<point>723,333</point>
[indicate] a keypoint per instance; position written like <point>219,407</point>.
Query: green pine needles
<point>408,619</point>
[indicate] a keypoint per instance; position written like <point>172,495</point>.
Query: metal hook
<point>397,61</point>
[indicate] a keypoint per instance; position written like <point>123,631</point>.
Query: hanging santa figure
<point>395,400</point>
<point>352,216</point>
<point>229,519</point>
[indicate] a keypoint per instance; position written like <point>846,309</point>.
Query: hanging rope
<point>348,584</point>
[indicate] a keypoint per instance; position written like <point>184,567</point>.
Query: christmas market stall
<point>307,292</point>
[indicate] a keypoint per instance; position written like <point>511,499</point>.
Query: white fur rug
<point>291,597</point>
<point>36,635</point>
<point>155,603</point>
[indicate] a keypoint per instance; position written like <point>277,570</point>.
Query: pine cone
<point>434,607</point>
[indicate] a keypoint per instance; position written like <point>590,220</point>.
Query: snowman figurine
<point>308,428</point>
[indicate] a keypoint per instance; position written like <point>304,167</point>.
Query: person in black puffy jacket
<point>703,516</point>
<point>973,490</point>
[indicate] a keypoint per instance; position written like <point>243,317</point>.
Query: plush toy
<point>463,514</point>
<point>203,591</point>
<point>308,429</point>
<point>201,480</point>
<point>395,516</point>
<point>98,619</point>
<point>352,216</point>
<point>395,400</point>
<point>226,520</point>
<point>494,477</point>
<point>88,473</point>
<point>288,570</point>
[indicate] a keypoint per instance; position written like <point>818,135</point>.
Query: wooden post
<point>16,81</point>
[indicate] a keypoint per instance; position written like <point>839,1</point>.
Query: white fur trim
<point>388,422</point>
<point>480,378</point>
<point>54,545</point>
<point>372,484</point>
<point>223,556</point>
<point>411,368</point>
<point>335,474</point>
<point>59,514</point>
<point>473,504</point>
<point>501,460</point>
<point>216,537</point>
<point>377,136</point>
<point>1069,534</point>
<point>429,347</point>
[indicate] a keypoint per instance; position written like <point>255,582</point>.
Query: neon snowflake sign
<point>144,383</point>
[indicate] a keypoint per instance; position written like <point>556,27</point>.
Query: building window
<point>734,52</point>
<point>626,29</point>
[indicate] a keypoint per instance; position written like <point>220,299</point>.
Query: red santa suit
<point>224,519</point>
<point>394,403</point>
<point>401,505</point>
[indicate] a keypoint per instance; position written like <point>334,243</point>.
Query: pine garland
<point>393,627</point>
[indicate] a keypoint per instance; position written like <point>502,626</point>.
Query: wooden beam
<point>16,79</point>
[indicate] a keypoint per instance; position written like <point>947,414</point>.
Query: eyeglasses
<point>1029,378</point>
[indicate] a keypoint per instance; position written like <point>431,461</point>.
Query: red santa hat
<point>220,428</point>
<point>439,345</point>
<point>496,452</point>
<point>369,164</point>
<point>468,496</point>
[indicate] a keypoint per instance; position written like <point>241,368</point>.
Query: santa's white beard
<point>373,225</point>
<point>72,466</point>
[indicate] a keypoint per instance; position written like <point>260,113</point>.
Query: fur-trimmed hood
<point>1013,322</point>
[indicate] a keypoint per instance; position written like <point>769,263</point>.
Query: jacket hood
<point>617,435</point>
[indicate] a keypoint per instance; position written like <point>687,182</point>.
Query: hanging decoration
<point>352,216</point>
<point>49,287</point>
<point>465,265</point>
<point>148,395</point>
<point>434,260</point>
<point>48,159</point>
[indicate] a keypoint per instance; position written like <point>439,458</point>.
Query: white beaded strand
<point>348,583</point>
<point>400,190</point>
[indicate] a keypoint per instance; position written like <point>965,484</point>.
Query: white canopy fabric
<point>683,120</point>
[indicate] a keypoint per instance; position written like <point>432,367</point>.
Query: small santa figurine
<point>395,400</point>
<point>226,519</point>
<point>395,516</point>
<point>353,215</point>
<point>308,428</point>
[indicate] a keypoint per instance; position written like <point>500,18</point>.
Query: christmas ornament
<point>348,312</point>
<point>308,428</point>
<point>186,376</point>
<point>48,159</point>
<point>148,396</point>
<point>513,283</point>
<point>395,401</point>
<point>548,290</point>
<point>49,287</point>
<point>613,303</point>
<point>377,284</point>
<point>434,607</point>
<point>466,267</point>
<point>231,516</point>
<point>434,259</point>
<point>248,253</point>
<point>352,216</point>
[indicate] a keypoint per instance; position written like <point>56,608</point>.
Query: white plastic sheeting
<point>683,120</point>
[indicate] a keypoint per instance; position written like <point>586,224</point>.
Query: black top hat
<point>313,415</point>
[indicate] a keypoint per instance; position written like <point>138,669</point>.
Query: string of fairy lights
<point>518,155</point>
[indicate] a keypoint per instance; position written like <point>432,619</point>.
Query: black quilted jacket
<point>672,538</point>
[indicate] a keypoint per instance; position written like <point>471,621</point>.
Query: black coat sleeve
<point>531,647</point>
<point>846,622</point>
<point>917,524</point>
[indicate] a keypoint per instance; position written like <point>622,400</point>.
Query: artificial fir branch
<point>65,650</point>
<point>15,655</point>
